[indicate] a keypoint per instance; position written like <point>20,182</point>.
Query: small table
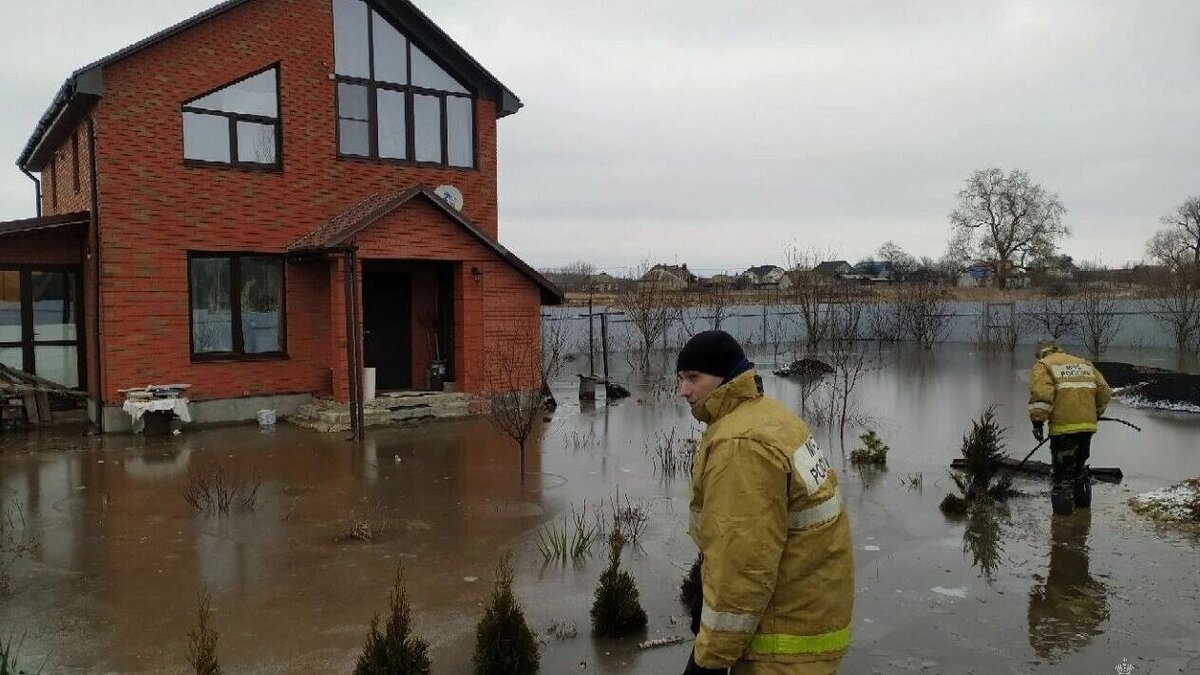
<point>161,408</point>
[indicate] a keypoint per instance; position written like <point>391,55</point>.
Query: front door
<point>387,328</point>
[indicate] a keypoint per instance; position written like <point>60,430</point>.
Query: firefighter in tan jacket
<point>1070,394</point>
<point>777,571</point>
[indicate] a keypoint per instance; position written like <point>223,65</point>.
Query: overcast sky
<point>717,133</point>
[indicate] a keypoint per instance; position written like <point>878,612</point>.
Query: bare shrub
<point>1000,328</point>
<point>924,313</point>
<point>561,630</point>
<point>209,488</point>
<point>202,642</point>
<point>16,541</point>
<point>883,322</point>
<point>1099,321</point>
<point>580,440</point>
<point>630,519</point>
<point>364,524</point>
<point>1053,317</point>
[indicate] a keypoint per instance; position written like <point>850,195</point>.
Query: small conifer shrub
<point>395,650</point>
<point>617,612</point>
<point>872,452</point>
<point>504,645</point>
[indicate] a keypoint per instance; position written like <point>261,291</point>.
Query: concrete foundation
<point>217,411</point>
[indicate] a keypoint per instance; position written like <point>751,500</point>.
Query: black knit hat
<point>714,352</point>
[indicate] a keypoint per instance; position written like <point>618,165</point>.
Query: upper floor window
<point>393,100</point>
<point>236,125</point>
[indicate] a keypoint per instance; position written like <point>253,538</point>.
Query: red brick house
<point>203,192</point>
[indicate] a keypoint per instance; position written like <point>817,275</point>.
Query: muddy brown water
<point>112,586</point>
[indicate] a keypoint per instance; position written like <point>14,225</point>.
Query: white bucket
<point>368,384</point>
<point>266,418</point>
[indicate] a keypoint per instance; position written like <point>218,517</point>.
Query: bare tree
<point>902,262</point>
<point>1099,321</point>
<point>554,348</point>
<point>716,302</point>
<point>576,277</point>
<point>1008,219</point>
<point>778,328</point>
<point>1180,242</point>
<point>650,310</point>
<point>849,362</point>
<point>924,313</point>
<point>1053,317</point>
<point>514,366</point>
<point>811,293</point>
<point>1175,303</point>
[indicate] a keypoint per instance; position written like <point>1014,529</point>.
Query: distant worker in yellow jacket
<point>777,571</point>
<point>1071,394</point>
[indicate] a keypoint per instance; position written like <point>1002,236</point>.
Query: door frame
<point>29,341</point>
<point>382,268</point>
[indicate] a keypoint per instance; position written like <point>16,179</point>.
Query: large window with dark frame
<point>236,125</point>
<point>394,102</point>
<point>237,305</point>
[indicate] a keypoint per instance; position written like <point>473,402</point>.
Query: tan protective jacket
<point>767,516</point>
<point>1068,391</point>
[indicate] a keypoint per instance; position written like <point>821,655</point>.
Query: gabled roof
<point>760,270</point>
<point>86,84</point>
<point>832,266</point>
<point>44,223</point>
<point>338,232</point>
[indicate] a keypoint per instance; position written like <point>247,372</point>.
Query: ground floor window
<point>237,305</point>
<point>39,319</point>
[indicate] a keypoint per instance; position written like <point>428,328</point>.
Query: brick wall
<point>154,210</point>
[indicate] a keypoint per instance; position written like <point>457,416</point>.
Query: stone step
<point>404,408</point>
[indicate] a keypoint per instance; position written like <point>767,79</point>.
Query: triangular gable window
<point>394,100</point>
<point>236,125</point>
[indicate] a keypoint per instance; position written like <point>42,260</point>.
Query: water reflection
<point>1068,609</point>
<point>983,536</point>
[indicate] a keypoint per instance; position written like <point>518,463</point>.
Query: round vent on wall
<point>451,195</point>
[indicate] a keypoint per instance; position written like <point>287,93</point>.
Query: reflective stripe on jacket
<point>767,514</point>
<point>1067,391</point>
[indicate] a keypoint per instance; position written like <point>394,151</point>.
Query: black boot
<point>1082,489</point>
<point>1062,500</point>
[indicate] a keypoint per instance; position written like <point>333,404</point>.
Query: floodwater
<point>112,586</point>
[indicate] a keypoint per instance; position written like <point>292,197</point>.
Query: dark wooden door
<point>387,328</point>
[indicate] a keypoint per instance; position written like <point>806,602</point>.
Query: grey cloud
<point>719,132</point>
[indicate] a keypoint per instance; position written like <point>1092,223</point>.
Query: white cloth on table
<point>137,409</point>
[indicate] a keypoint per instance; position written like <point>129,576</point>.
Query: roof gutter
<point>37,191</point>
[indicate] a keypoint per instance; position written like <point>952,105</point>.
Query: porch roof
<point>27,225</point>
<point>338,232</point>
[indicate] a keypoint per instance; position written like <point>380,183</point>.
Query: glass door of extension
<point>39,322</point>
